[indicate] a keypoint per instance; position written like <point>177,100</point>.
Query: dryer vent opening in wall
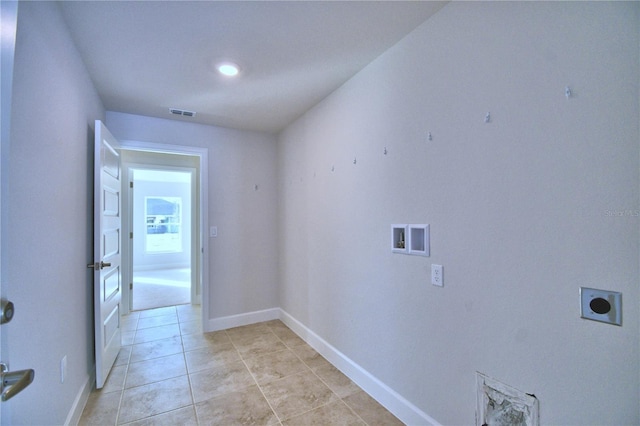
<point>182,112</point>
<point>502,405</point>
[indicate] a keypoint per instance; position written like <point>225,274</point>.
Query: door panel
<point>111,242</point>
<point>107,252</point>
<point>111,285</point>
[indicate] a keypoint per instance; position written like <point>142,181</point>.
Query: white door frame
<point>194,231</point>
<point>203,180</point>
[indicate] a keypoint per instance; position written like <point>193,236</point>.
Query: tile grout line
<point>290,348</point>
<point>145,384</point>
<point>126,374</point>
<point>339,397</point>
<point>254,378</point>
<point>186,366</point>
<point>322,380</point>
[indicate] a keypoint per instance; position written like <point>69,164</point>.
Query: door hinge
<point>131,235</point>
<point>130,184</point>
<point>130,286</point>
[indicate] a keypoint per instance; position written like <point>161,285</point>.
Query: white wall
<point>50,199</point>
<point>522,210</point>
<point>243,258</point>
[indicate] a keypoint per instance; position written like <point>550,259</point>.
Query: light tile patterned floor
<point>170,373</point>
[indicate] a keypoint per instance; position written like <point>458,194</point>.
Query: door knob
<point>7,311</point>
<point>98,265</point>
<point>13,382</point>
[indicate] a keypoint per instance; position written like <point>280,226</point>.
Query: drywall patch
<point>500,405</point>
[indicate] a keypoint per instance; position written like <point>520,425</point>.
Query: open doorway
<point>161,218</point>
<point>162,226</point>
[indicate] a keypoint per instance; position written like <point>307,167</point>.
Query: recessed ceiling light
<point>229,69</point>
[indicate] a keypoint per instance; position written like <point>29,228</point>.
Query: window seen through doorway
<point>164,224</point>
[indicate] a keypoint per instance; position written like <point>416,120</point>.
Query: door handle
<point>6,311</point>
<point>98,265</point>
<point>15,381</point>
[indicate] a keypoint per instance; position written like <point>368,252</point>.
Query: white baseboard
<point>223,323</point>
<point>387,397</point>
<point>73,418</point>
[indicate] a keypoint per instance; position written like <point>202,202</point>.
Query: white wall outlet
<point>437,277</point>
<point>63,368</point>
<point>213,231</point>
<point>601,305</point>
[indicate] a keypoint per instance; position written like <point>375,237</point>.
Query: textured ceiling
<point>148,56</point>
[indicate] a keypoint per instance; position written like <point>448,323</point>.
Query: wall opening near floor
<point>501,405</point>
<point>161,224</point>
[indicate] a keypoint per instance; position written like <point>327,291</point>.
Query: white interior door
<point>107,278</point>
<point>9,17</point>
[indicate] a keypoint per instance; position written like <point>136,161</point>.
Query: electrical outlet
<point>213,231</point>
<point>437,277</point>
<point>63,368</point>
<point>601,305</point>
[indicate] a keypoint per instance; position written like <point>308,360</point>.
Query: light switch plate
<point>601,305</point>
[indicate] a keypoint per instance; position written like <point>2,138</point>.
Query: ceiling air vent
<point>182,112</point>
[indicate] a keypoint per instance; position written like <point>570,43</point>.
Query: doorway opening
<point>162,227</point>
<point>161,221</point>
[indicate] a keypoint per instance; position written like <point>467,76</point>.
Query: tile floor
<point>170,373</point>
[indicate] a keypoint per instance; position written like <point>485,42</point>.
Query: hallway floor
<point>169,373</point>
